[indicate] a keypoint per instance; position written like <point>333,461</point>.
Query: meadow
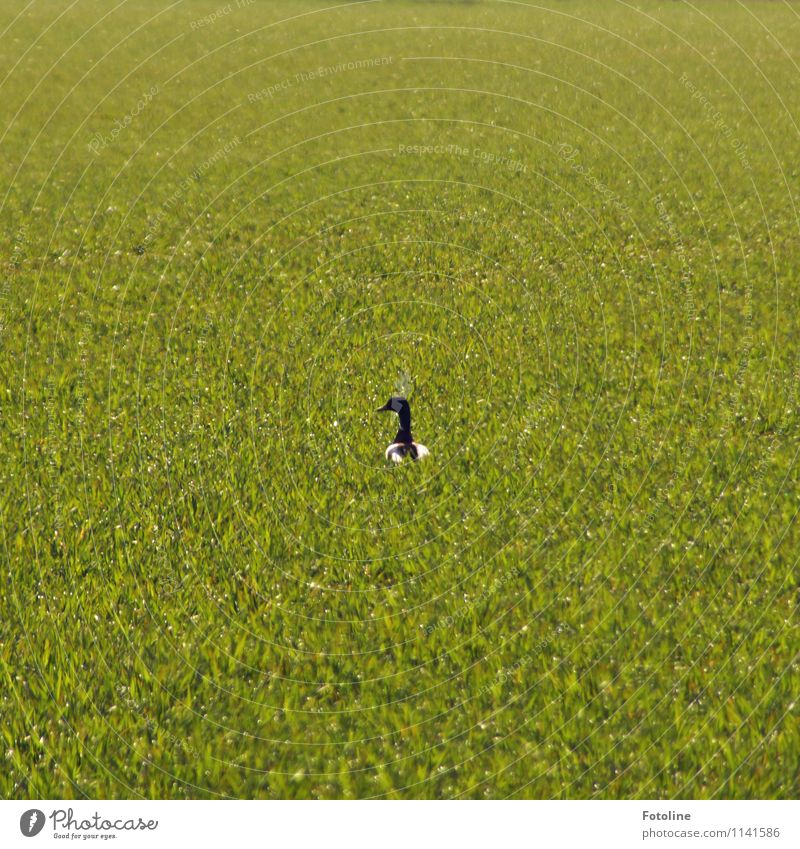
<point>567,231</point>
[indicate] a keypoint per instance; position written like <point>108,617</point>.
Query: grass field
<point>231,230</point>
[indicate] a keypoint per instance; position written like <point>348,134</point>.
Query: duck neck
<point>404,435</point>
<point>405,418</point>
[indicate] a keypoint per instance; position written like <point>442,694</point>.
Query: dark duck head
<point>403,443</point>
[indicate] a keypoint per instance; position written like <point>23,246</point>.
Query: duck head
<point>401,407</point>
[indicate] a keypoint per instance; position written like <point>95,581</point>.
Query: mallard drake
<point>403,443</point>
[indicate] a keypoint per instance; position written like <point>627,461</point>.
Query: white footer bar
<point>402,825</point>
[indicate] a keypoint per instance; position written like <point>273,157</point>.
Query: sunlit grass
<point>215,585</point>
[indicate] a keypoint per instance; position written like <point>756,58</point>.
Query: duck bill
<point>384,408</point>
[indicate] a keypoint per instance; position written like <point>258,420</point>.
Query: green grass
<point>213,584</point>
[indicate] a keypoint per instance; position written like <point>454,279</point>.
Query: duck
<point>403,444</point>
